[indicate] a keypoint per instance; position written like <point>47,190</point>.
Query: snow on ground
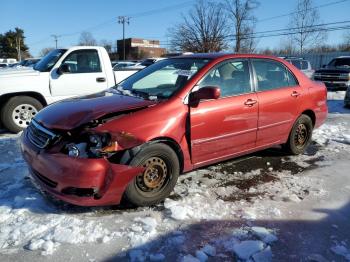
<point>246,209</point>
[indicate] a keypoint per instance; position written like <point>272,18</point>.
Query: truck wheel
<point>300,136</point>
<point>18,111</point>
<point>159,177</point>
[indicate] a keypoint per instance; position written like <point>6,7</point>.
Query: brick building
<point>136,48</point>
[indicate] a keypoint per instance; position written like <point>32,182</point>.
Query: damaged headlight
<point>90,145</point>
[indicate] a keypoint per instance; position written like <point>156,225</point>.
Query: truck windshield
<point>48,61</point>
<point>340,62</point>
<point>162,79</point>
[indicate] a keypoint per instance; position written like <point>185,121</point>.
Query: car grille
<point>39,135</point>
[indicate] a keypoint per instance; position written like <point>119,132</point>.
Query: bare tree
<point>107,45</point>
<point>345,46</point>
<point>203,30</point>
<point>243,23</point>
<point>45,50</point>
<point>305,24</point>
<point>86,38</point>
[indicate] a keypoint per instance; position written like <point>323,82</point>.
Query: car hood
<point>72,113</point>
<point>23,71</point>
<point>333,70</point>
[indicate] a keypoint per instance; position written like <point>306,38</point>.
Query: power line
<point>296,12</point>
<point>161,10</point>
<point>296,32</point>
<point>295,28</point>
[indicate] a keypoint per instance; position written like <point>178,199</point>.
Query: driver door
<point>85,75</point>
<point>226,126</point>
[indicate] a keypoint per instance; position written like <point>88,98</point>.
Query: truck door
<point>82,74</point>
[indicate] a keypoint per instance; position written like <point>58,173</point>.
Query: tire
<point>300,136</point>
<point>18,111</point>
<point>141,191</point>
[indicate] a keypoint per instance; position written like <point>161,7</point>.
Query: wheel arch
<point>174,146</point>
<point>4,98</point>
<point>310,114</point>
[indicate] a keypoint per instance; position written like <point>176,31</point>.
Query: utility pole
<point>55,37</point>
<point>122,20</point>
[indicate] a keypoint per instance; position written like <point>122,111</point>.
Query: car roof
<point>226,55</point>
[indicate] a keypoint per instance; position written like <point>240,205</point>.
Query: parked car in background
<point>123,64</point>
<point>125,72</point>
<point>131,142</point>
<point>30,62</point>
<point>7,62</point>
<point>335,75</point>
<point>347,98</point>
<point>61,74</point>
<point>302,64</point>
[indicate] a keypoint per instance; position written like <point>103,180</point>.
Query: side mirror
<point>207,92</point>
<point>324,66</point>
<point>63,69</point>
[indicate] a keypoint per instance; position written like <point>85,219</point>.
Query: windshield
<point>48,61</point>
<point>340,62</point>
<point>162,79</point>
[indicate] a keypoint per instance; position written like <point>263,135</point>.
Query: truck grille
<point>330,77</point>
<point>39,135</point>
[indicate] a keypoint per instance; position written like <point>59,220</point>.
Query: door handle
<point>100,79</point>
<point>250,102</point>
<point>295,94</point>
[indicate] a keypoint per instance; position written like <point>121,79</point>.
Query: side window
<point>272,75</point>
<point>304,65</point>
<point>232,77</point>
<point>83,61</point>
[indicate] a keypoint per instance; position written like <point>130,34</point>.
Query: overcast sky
<point>41,19</point>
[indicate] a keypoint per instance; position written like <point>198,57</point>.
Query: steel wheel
<point>301,135</point>
<point>154,176</point>
<point>23,114</point>
<point>154,184</point>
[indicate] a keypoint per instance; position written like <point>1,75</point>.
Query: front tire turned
<point>159,177</point>
<point>300,136</point>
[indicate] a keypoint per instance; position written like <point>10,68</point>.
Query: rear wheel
<point>300,135</point>
<point>159,177</point>
<point>18,111</point>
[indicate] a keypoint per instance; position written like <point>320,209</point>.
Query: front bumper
<point>337,85</point>
<point>79,181</point>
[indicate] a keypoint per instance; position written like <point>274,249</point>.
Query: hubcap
<point>23,114</point>
<point>301,135</point>
<point>154,176</point>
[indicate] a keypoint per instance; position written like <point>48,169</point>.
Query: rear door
<point>279,94</point>
<point>85,77</point>
<point>228,125</point>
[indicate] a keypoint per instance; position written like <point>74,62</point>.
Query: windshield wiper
<point>143,94</point>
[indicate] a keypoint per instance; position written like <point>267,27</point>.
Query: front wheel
<point>18,111</point>
<point>159,177</point>
<point>300,135</point>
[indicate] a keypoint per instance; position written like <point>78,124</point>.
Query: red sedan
<point>132,141</point>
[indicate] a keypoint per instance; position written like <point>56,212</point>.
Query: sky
<point>149,19</point>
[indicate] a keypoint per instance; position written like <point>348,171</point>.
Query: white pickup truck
<point>62,73</point>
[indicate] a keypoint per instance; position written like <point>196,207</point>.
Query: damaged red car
<point>131,142</point>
